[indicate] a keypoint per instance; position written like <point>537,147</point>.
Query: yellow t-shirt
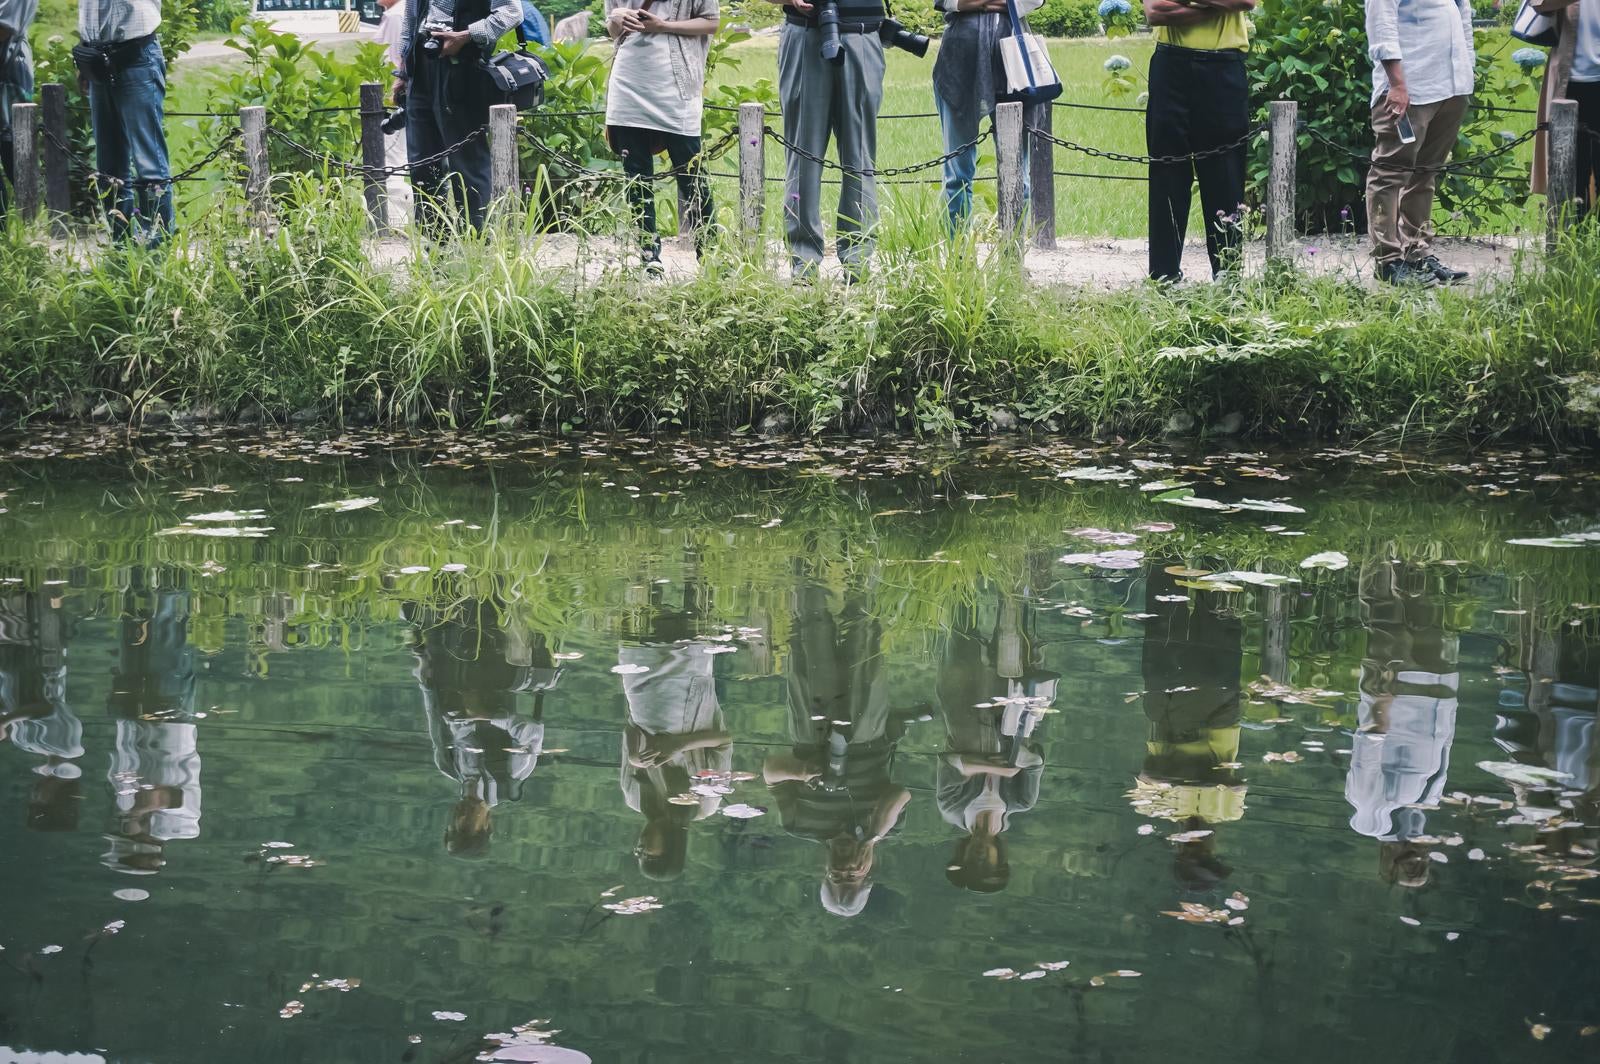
<point>1224,31</point>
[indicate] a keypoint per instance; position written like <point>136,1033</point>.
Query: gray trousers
<point>822,100</point>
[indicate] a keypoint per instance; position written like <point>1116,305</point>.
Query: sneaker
<point>654,269</point>
<point>1441,273</point>
<point>1401,272</point>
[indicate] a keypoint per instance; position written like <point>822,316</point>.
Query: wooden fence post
<point>502,151</point>
<point>752,172</point>
<point>1561,188</point>
<point>1008,157</point>
<point>1282,131</point>
<point>25,159</point>
<point>257,172</point>
<point>373,156</point>
<point>1042,176</point>
<point>57,176</point>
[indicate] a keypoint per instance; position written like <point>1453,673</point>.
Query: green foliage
<point>218,16</point>
<point>1066,18</point>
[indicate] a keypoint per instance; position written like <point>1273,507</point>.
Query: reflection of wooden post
<point>1275,637</point>
<point>257,173</point>
<point>25,159</point>
<point>502,151</point>
<point>373,156</point>
<point>57,180</point>
<point>1285,116</point>
<point>1042,175</point>
<point>1010,652</point>
<point>752,172</point>
<point>1008,156</point>
<point>1561,186</point>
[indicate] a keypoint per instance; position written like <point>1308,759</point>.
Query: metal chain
<point>377,172</point>
<point>704,156</point>
<point>186,174</point>
<point>891,171</point>
<point>1151,160</point>
<point>1455,166</point>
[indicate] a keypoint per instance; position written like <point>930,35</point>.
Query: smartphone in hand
<point>1403,126</point>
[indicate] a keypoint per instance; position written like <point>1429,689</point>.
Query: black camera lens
<point>828,25</point>
<point>894,35</point>
<point>394,121</point>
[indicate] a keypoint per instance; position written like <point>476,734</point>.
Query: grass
<point>941,338</point>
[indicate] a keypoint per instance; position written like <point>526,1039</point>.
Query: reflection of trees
<point>835,785</point>
<point>1190,659</point>
<point>155,765</point>
<point>1406,717</point>
<point>473,668</point>
<point>33,705</point>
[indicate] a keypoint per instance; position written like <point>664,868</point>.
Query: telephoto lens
<point>828,24</point>
<point>394,121</point>
<point>894,35</point>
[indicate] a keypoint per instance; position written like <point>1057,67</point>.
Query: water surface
<point>440,749</point>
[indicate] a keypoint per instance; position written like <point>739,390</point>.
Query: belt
<point>845,25</point>
<point>1205,55</point>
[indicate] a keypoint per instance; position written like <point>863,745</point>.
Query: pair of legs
<point>445,103</point>
<point>1199,100</point>
<point>1400,186</point>
<point>959,126</point>
<point>637,147</point>
<point>1587,96</point>
<point>130,147</point>
<point>823,100</point>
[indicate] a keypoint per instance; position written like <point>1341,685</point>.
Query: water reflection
<point>483,679</point>
<point>1406,718</point>
<point>675,737</point>
<point>155,760</point>
<point>1190,661</point>
<point>33,706</point>
<point>835,786</point>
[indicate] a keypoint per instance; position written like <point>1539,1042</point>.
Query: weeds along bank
<point>944,338</point>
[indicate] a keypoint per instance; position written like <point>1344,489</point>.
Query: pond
<point>440,749</point>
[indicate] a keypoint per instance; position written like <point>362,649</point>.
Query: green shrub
<point>1066,18</point>
<point>218,16</point>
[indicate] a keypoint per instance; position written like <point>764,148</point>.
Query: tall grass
<point>943,336</point>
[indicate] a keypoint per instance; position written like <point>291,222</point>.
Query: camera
<point>430,43</point>
<point>394,121</point>
<point>894,35</point>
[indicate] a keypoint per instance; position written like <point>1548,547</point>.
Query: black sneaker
<point>1441,273</point>
<point>1401,272</point>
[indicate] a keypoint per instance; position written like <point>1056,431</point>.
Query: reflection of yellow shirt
<point>1224,31</point>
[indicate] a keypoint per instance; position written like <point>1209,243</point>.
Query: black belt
<point>1205,55</point>
<point>845,25</point>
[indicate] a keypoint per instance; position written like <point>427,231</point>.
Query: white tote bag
<point>1029,76</point>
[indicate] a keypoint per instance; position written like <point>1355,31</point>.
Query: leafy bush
<point>1066,18</point>
<point>1315,52</point>
<point>218,16</point>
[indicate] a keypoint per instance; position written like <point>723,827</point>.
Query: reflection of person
<point>472,668</point>
<point>654,104</point>
<point>991,693</point>
<point>1407,719</point>
<point>834,787</point>
<point>674,731</point>
<point>33,707</point>
<point>1422,71</point>
<point>447,95</point>
<point>1191,654</point>
<point>16,75</point>
<point>155,763</point>
<point>1572,73</point>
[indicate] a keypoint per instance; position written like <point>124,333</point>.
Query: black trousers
<point>6,176</point>
<point>445,101</point>
<point>637,149</point>
<point>1198,100</point>
<point>1587,96</point>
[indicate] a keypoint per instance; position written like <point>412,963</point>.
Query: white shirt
<point>106,21</point>
<point>1433,41</point>
<point>1586,58</point>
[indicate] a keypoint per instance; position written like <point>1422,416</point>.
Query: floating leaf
<point>1000,973</point>
<point>345,506</point>
<point>1331,560</point>
<point>740,811</point>
<point>629,669</point>
<point>1525,775</point>
<point>1187,497</point>
<point>1268,506</point>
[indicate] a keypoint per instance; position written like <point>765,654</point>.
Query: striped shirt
<point>109,21</point>
<point>485,32</point>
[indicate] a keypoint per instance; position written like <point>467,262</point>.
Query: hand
<point>650,22</point>
<point>397,91</point>
<point>802,7</point>
<point>1398,99</point>
<point>624,20</point>
<point>451,41</point>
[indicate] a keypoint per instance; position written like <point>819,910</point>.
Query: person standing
<point>1199,103</point>
<point>16,75</point>
<point>120,62</point>
<point>447,98</point>
<point>967,78</point>
<point>823,99</point>
<point>654,102</point>
<point>1572,73</point>
<point>1422,74</point>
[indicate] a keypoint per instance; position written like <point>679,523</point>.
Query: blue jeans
<point>131,146</point>
<point>960,171</point>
